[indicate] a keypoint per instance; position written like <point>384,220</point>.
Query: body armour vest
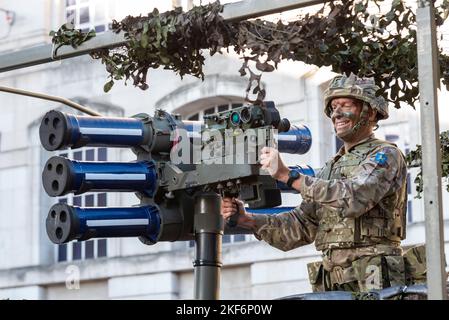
<point>383,224</point>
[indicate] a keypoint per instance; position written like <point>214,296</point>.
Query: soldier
<point>354,210</point>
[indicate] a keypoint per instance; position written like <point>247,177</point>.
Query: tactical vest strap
<point>373,232</point>
<point>326,173</point>
<point>339,275</point>
<point>347,163</point>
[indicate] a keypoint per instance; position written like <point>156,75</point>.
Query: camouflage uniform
<point>354,210</point>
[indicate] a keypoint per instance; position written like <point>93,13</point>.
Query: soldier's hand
<point>231,206</point>
<point>272,162</point>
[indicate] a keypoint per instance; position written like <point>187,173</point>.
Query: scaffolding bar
<point>233,11</point>
<point>248,9</point>
<point>428,67</point>
<point>48,97</point>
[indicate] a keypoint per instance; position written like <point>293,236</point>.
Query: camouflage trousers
<point>358,269</point>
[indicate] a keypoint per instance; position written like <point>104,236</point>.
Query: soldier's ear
<point>373,115</point>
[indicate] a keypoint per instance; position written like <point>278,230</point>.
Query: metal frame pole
<point>428,68</point>
<point>48,97</point>
<point>208,228</point>
<point>232,11</point>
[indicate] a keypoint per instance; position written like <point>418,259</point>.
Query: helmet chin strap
<point>363,121</point>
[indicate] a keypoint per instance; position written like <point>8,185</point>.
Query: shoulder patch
<point>380,158</point>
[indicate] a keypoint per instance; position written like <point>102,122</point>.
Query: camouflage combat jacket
<point>358,200</point>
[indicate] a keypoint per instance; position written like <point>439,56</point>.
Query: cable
<point>67,102</point>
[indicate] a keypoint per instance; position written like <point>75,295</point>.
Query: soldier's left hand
<point>272,162</point>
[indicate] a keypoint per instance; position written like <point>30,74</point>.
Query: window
<point>409,211</point>
<point>409,200</point>
<point>227,239</point>
<point>219,108</point>
<point>392,137</point>
<point>89,249</point>
<point>209,111</point>
<point>88,14</point>
<point>195,117</point>
<point>338,144</point>
<point>222,108</point>
<point>409,194</point>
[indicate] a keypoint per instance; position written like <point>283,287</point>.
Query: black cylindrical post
<point>208,226</point>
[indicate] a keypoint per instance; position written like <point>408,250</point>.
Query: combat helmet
<point>358,88</point>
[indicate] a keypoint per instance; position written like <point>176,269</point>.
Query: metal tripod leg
<point>208,227</point>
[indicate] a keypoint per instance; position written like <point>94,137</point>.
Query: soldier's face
<point>345,114</point>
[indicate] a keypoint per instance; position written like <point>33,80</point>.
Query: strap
<point>340,275</point>
<point>326,173</point>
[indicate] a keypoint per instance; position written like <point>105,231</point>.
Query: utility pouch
<point>316,272</point>
<point>379,272</point>
<point>415,265</point>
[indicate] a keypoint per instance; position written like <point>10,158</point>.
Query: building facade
<point>32,267</point>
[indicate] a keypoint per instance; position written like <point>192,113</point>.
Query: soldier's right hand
<point>232,206</point>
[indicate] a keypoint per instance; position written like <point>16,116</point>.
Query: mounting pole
<point>208,227</point>
<point>429,81</point>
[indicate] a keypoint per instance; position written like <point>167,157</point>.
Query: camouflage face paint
<point>348,115</point>
<point>360,121</point>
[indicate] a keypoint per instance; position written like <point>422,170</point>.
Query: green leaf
<point>165,59</point>
<point>396,3</point>
<point>145,27</point>
<point>108,86</point>
<point>144,41</point>
<point>323,47</point>
<point>264,66</point>
<point>359,7</point>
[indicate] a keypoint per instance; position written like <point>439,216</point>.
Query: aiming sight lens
<point>235,118</point>
<point>245,115</point>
